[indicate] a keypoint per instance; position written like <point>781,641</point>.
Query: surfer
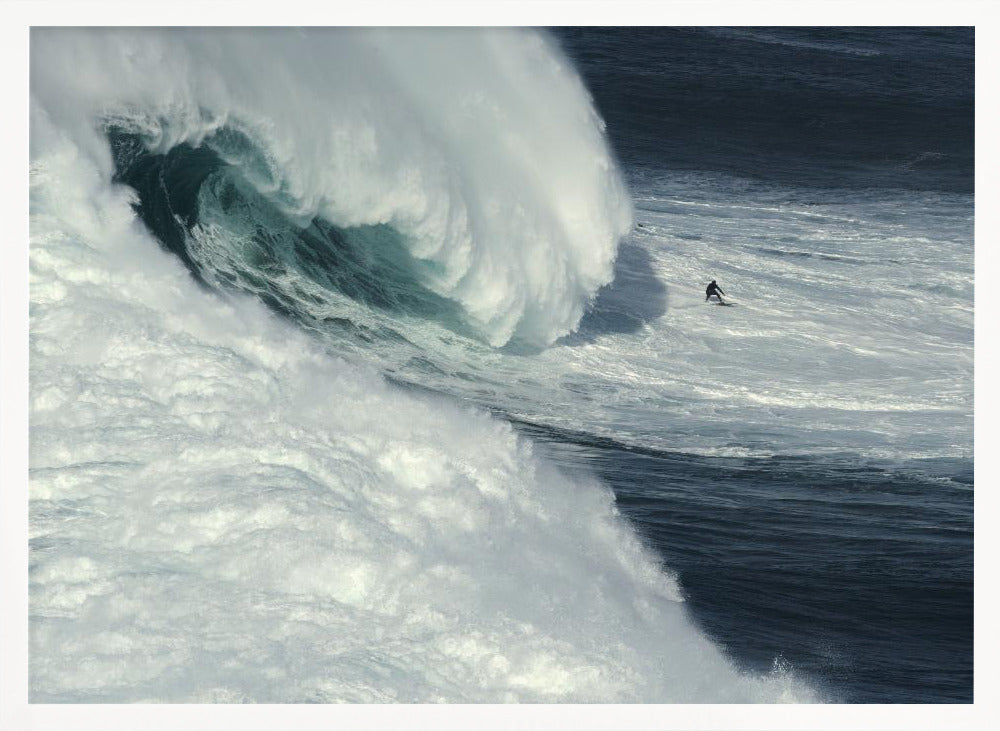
<point>713,288</point>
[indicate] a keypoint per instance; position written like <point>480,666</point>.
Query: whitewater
<point>227,507</point>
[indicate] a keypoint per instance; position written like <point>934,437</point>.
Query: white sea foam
<point>221,511</point>
<point>852,330</point>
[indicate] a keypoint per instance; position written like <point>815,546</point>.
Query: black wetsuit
<point>713,288</point>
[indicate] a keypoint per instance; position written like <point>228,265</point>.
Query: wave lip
<point>481,148</point>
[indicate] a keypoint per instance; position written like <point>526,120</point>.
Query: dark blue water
<point>856,574</point>
<point>856,107</point>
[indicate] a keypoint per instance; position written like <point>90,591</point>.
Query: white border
<point>15,19</point>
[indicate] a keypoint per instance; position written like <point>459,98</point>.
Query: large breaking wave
<point>221,510</point>
<point>480,149</point>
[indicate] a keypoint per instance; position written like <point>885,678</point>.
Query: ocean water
<point>374,365</point>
